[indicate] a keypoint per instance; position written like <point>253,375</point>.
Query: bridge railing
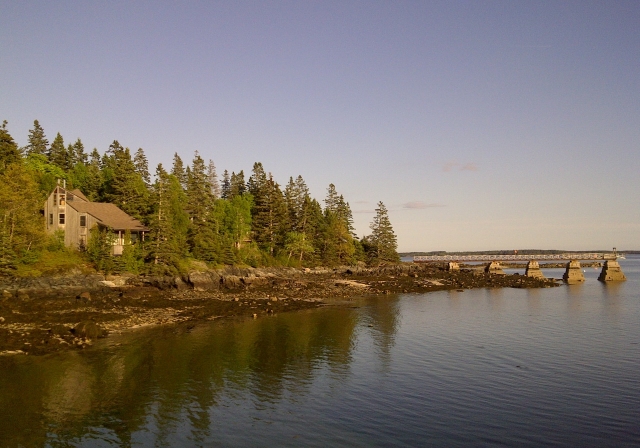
<point>513,257</point>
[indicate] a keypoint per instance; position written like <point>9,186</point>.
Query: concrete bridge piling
<point>494,268</point>
<point>573,274</point>
<point>611,272</point>
<point>453,266</point>
<point>533,270</point>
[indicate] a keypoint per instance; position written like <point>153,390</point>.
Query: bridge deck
<point>480,257</point>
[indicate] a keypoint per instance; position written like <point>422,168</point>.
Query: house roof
<point>108,215</point>
<point>79,194</point>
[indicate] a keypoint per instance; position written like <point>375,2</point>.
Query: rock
<point>203,281</point>
<point>84,296</point>
<point>22,295</point>
<point>88,329</point>
<point>107,283</point>
<point>231,281</point>
<point>6,295</point>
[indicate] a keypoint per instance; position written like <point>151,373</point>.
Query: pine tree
<point>332,200</point>
<point>123,185</point>
<point>9,152</point>
<point>178,171</point>
<point>383,239</point>
<point>79,156</point>
<point>58,154</point>
<point>212,174</point>
<point>237,185</point>
<point>225,185</point>
<point>169,224</point>
<point>142,166</point>
<point>269,213</point>
<point>203,232</point>
<point>38,142</point>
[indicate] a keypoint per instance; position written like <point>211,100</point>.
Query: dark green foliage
<point>79,156</point>
<point>38,143</point>
<point>382,244</point>
<point>58,154</point>
<point>142,166</point>
<point>237,186</point>
<point>122,183</point>
<point>99,248</point>
<point>9,152</point>
<point>225,186</point>
<point>178,170</point>
<point>169,223</point>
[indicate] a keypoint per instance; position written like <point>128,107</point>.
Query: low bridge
<point>610,271</point>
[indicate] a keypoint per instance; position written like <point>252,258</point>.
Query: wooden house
<point>71,211</point>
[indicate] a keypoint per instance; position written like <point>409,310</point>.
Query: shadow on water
<point>156,380</point>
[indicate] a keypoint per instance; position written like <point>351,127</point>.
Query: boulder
<point>88,329</point>
<point>231,281</point>
<point>203,281</point>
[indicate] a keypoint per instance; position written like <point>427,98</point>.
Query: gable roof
<point>108,215</point>
<point>79,194</point>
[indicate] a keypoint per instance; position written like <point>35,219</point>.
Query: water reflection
<point>160,378</point>
<point>534,300</point>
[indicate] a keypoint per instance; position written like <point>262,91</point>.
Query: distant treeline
<point>191,213</point>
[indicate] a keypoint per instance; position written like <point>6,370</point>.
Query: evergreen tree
<point>123,185</point>
<point>95,158</point>
<point>332,200</point>
<point>9,152</point>
<point>38,142</point>
<point>225,186</point>
<point>212,174</point>
<point>142,166</point>
<point>344,213</point>
<point>382,240</point>
<point>203,232</point>
<point>170,222</point>
<point>269,211</point>
<point>79,156</point>
<point>88,177</point>
<point>237,186</point>
<point>257,181</point>
<point>58,154</point>
<point>178,171</point>
<point>337,230</point>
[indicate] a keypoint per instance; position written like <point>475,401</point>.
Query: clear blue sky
<point>480,124</point>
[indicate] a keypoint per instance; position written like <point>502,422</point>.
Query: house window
<point>83,221</point>
<point>50,219</point>
<point>61,218</point>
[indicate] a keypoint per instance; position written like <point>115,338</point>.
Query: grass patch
<point>55,263</point>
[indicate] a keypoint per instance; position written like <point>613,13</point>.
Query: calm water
<point>552,367</point>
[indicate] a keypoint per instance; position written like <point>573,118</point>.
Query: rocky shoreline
<point>49,314</point>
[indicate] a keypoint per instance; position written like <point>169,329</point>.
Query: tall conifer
<point>38,143</point>
<point>383,239</point>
